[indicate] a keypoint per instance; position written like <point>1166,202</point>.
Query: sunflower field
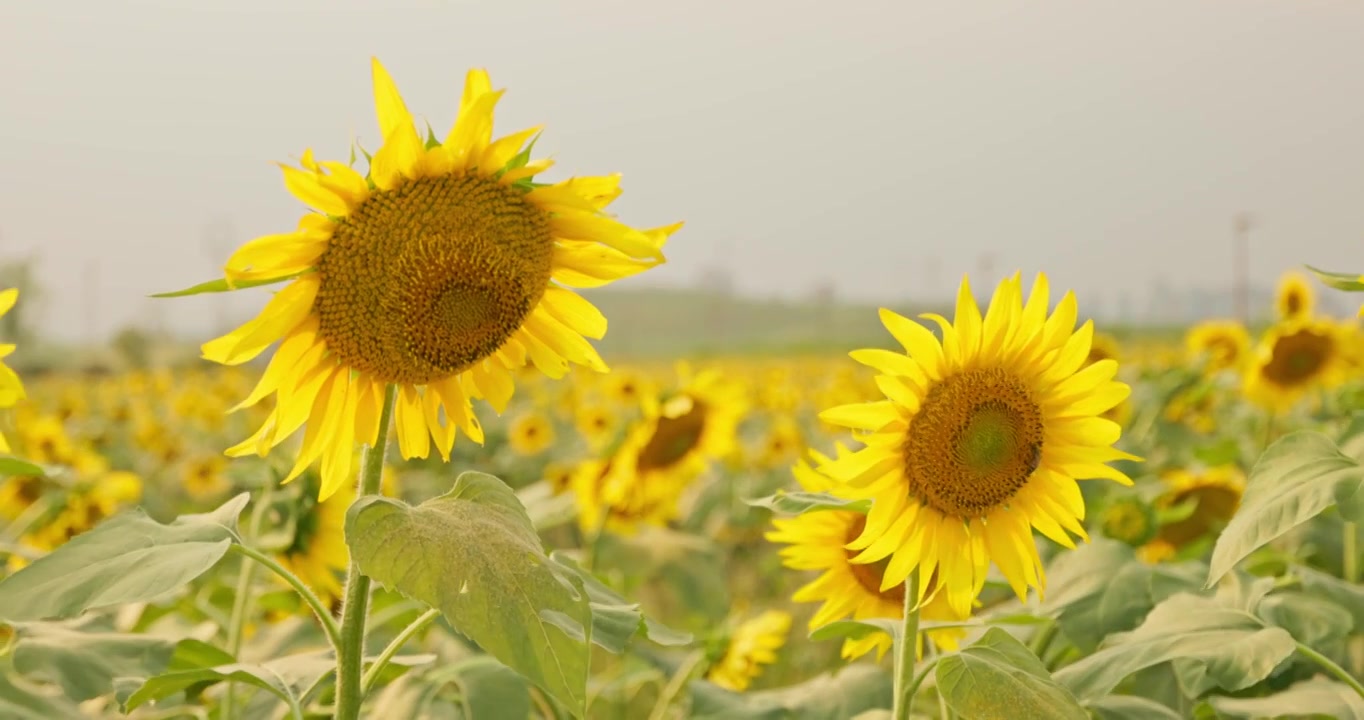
<point>411,487</point>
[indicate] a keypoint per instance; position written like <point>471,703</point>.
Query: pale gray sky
<point>866,143</point>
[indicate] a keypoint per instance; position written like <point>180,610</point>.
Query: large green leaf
<point>22,700</point>
<point>85,664</point>
<point>473,554</point>
<point>1217,643</point>
<point>851,691</point>
<point>616,621</point>
<point>285,678</point>
<point>129,558</point>
<point>998,677</point>
<point>1295,479</point>
<point>795,503</point>
<point>1317,696</point>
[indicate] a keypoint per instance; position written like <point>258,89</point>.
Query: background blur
<point>827,157</point>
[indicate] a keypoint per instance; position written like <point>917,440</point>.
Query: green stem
<point>907,650</point>
<point>323,614</point>
<point>1329,666</point>
<point>350,654</point>
<point>913,688</point>
<point>240,603</point>
<point>381,662</point>
<point>675,685</point>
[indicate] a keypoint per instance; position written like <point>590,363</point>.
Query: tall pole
<point>1241,265</point>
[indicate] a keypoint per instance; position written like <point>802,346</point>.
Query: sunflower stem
<point>350,655</point>
<point>1349,544</point>
<point>906,651</point>
<point>323,614</point>
<point>1330,666</point>
<point>236,623</point>
<point>381,662</point>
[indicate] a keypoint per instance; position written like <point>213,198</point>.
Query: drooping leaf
<point>1340,281</point>
<point>1310,619</point>
<point>85,664</point>
<point>222,285</point>
<point>10,465</point>
<point>22,700</point>
<point>997,676</point>
<point>795,503</point>
<point>474,554</point>
<point>491,689</point>
<point>1297,478</point>
<point>1347,595</point>
<point>615,620</point>
<point>285,678</point>
<point>1130,707</point>
<point>129,558</point>
<point>1318,696</point>
<point>1217,645</point>
<point>851,691</point>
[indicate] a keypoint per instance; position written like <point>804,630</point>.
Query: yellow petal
<point>574,311</point>
<point>588,264</point>
<point>388,103</point>
<point>305,187</point>
<point>282,314</point>
<point>579,225</point>
<point>862,416</point>
<point>7,300</point>
<point>916,340</point>
<point>414,440</point>
<point>504,149</point>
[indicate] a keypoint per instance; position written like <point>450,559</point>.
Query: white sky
<point>876,145</point>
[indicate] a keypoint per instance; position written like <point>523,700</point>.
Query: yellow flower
<point>204,476</point>
<point>444,271</point>
<point>531,434</point>
<point>613,496</point>
<point>1294,299</point>
<point>817,541</point>
<point>753,644</point>
<point>1214,494</point>
<point>1223,344</point>
<point>595,423</point>
<point>782,441</point>
<point>11,389</point>
<point>1295,357</point>
<point>1103,347</point>
<point>687,428</point>
<point>18,493</point>
<point>981,439</point>
<point>44,440</point>
<point>318,553</point>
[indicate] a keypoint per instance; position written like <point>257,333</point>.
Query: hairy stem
<point>906,650</point>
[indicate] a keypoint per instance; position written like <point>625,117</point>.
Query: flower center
<point>421,282</point>
<point>1292,304</point>
<point>1298,357</point>
<point>974,443</point>
<point>676,435</point>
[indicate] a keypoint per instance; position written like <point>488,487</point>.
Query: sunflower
<point>611,495</point>
<point>683,430</point>
<point>981,438</point>
<point>531,434</point>
<point>1103,347</point>
<point>1294,298</point>
<point>753,644</point>
<point>11,389</point>
<point>204,476</point>
<point>1222,344</point>
<point>595,423</point>
<point>1295,357</point>
<point>441,272</point>
<point>1209,499</point>
<point>817,541</point>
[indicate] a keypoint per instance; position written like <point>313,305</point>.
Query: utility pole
<point>1241,226</point>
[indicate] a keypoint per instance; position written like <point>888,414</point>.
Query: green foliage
<point>22,700</point>
<point>796,503</point>
<point>1298,477</point>
<point>849,692</point>
<point>1316,697</point>
<point>130,558</point>
<point>222,285</point>
<point>85,664</point>
<point>998,677</point>
<point>285,678</point>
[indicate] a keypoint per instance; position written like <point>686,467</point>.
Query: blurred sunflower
<point>1222,344</point>
<point>981,438</point>
<point>753,644</point>
<point>441,272</point>
<point>1128,520</point>
<point>595,423</point>
<point>1294,358</point>
<point>626,388</point>
<point>318,553</point>
<point>11,389</point>
<point>782,442</point>
<point>18,493</point>
<point>685,429</point>
<point>1294,298</point>
<point>204,476</point>
<point>817,541</point>
<point>1209,499</point>
<point>1103,347</point>
<point>531,434</point>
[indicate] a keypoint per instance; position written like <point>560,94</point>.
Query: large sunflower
<point>11,389</point>
<point>1294,298</point>
<point>1295,357</point>
<point>1222,344</point>
<point>982,437</point>
<point>817,541</point>
<point>441,272</point>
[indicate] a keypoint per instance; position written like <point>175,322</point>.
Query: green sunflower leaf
<point>1352,282</point>
<point>997,676</point>
<point>221,285</point>
<point>1213,642</point>
<point>1315,697</point>
<point>22,700</point>
<point>85,664</point>
<point>615,621</point>
<point>854,690</point>
<point>797,503</point>
<point>129,558</point>
<point>1130,707</point>
<point>1297,478</point>
<point>474,554</point>
<point>10,465</point>
<point>286,678</point>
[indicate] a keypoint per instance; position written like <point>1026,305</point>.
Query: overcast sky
<point>880,146</point>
